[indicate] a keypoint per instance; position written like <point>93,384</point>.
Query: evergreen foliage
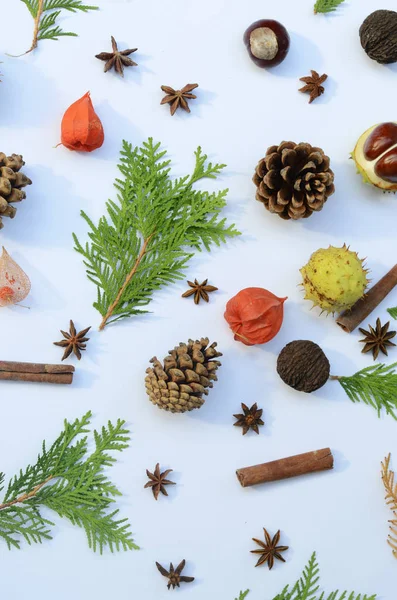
<point>390,485</point>
<point>327,6</point>
<point>306,587</point>
<point>45,14</point>
<point>71,482</point>
<point>242,595</point>
<point>393,312</point>
<point>375,385</point>
<point>151,231</point>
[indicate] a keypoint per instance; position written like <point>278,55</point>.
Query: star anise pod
<point>313,85</point>
<point>178,98</point>
<point>73,342</point>
<point>117,59</point>
<point>200,290</point>
<point>269,549</point>
<point>377,339</point>
<point>174,575</point>
<point>250,419</point>
<point>158,481</point>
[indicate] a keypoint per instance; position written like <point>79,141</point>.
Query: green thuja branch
<point>151,231</point>
<point>70,481</point>
<point>45,14</point>
<point>393,312</point>
<point>306,587</point>
<point>326,6</point>
<point>375,385</point>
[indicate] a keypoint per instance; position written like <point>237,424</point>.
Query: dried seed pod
<point>303,366</point>
<point>378,35</point>
<point>81,128</point>
<point>375,156</point>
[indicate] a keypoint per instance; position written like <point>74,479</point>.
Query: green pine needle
<point>71,482</point>
<point>375,385</point>
<point>393,312</point>
<point>242,595</point>
<point>306,587</point>
<point>326,6</point>
<point>45,14</point>
<point>151,231</point>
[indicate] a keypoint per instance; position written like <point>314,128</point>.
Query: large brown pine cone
<point>11,182</point>
<point>293,180</point>
<point>188,371</point>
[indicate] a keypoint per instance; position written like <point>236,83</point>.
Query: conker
<point>375,155</point>
<point>378,35</point>
<point>267,42</point>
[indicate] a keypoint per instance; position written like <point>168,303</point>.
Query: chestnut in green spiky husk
<point>334,279</point>
<point>375,156</point>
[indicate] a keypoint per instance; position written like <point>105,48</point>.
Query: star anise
<point>269,550</point>
<point>250,419</point>
<point>377,339</point>
<point>200,290</point>
<point>73,342</point>
<point>174,575</point>
<point>178,98</point>
<point>313,85</point>
<point>117,59</point>
<point>158,481</point>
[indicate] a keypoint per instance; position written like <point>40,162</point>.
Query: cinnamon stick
<point>284,468</point>
<point>350,319</point>
<point>36,372</point>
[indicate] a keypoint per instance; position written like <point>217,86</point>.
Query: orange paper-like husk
<point>81,128</point>
<point>255,315</point>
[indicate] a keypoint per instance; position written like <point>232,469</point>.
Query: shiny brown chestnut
<point>267,42</point>
<point>375,155</point>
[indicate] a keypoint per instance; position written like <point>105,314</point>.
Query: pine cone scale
<point>294,180</point>
<point>185,376</point>
<point>11,180</point>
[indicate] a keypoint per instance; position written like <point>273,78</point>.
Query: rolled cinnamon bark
<point>66,378</point>
<point>350,319</point>
<point>36,372</point>
<point>284,468</point>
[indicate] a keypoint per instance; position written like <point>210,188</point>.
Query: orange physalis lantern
<point>14,283</point>
<point>255,315</point>
<point>81,127</point>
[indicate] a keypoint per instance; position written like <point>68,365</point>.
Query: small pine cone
<point>178,385</point>
<point>11,182</point>
<point>293,180</point>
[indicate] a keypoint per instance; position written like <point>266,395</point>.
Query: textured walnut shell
<point>303,366</point>
<point>378,35</point>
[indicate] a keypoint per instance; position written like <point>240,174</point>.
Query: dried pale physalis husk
<point>14,283</point>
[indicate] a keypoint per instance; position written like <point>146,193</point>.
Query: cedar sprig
<point>391,500</point>
<point>45,14</point>
<point>326,6</point>
<point>375,385</point>
<point>150,232</point>
<point>393,312</point>
<point>306,587</point>
<point>242,595</point>
<point>71,482</point>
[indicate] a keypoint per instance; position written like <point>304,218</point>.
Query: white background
<point>241,110</point>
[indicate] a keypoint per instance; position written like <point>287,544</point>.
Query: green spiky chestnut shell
<point>375,156</point>
<point>334,279</point>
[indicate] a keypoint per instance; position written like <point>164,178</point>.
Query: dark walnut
<point>267,42</point>
<point>294,180</point>
<point>303,366</point>
<point>378,35</point>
